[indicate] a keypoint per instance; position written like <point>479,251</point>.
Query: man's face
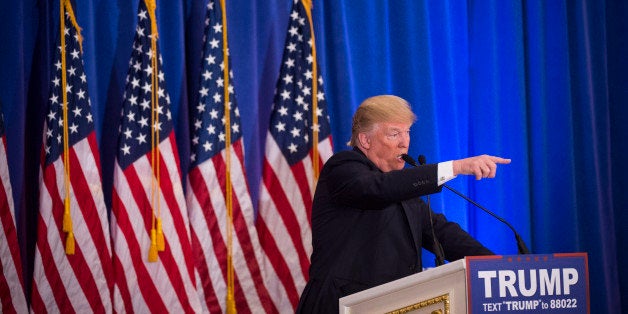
<point>385,144</point>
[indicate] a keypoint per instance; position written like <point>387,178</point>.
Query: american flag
<point>12,298</point>
<point>207,193</point>
<point>66,281</point>
<point>147,186</point>
<point>289,179</point>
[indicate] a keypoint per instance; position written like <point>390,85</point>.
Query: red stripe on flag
<point>219,243</point>
<point>10,233</point>
<point>165,257</point>
<point>36,301</point>
<point>241,305</point>
<point>277,261</point>
<point>288,216</point>
<point>89,210</point>
<point>5,297</point>
<point>213,306</point>
<point>242,233</point>
<point>303,183</point>
<point>12,296</point>
<point>77,261</point>
<point>179,222</point>
<point>204,199</point>
<point>252,262</point>
<point>122,283</point>
<point>147,286</point>
<point>52,273</point>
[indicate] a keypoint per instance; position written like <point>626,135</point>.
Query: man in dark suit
<point>368,222</point>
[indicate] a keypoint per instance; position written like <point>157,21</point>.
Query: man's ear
<point>365,140</point>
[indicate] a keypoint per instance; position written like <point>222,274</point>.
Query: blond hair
<point>377,109</point>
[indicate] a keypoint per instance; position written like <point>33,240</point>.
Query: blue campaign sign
<point>535,283</point>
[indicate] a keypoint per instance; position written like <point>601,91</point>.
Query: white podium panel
<point>440,290</point>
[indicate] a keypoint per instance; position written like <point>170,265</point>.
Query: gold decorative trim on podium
<point>417,306</point>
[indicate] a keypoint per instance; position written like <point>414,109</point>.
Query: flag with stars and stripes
<point>12,297</point>
<point>220,239</point>
<point>298,142</point>
<point>72,271</point>
<point>153,264</point>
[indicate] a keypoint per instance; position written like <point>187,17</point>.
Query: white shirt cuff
<point>445,172</point>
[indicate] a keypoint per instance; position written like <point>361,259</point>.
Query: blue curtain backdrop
<point>542,82</point>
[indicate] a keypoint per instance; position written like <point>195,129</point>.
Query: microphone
<point>410,160</point>
<point>521,246</point>
<point>439,253</point>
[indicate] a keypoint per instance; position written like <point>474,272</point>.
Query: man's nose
<point>405,140</point>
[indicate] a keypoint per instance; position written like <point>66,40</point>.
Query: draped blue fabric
<point>542,82</point>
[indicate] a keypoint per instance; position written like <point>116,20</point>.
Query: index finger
<point>499,160</point>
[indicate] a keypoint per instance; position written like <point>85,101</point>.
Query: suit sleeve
<point>354,181</point>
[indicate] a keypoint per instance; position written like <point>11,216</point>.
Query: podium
<point>534,283</point>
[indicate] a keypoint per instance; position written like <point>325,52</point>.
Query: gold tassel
<point>67,219</point>
<point>231,308</point>
<point>69,243</point>
<point>152,252</point>
<point>161,243</point>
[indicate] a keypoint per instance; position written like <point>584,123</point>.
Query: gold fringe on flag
<point>157,235</point>
<point>67,217</point>
<point>68,8</point>
<point>315,165</point>
<point>152,251</point>
<point>230,300</point>
<point>161,242</point>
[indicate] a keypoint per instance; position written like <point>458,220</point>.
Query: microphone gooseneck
<point>521,246</point>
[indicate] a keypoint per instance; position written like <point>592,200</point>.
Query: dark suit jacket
<point>368,228</point>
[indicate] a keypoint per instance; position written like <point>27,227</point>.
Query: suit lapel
<point>411,211</point>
